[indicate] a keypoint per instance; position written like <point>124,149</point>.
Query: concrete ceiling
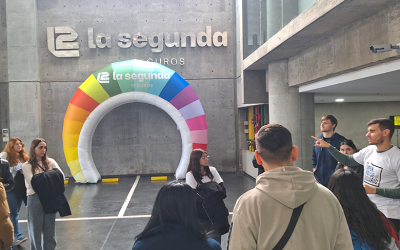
<point>373,84</point>
<point>299,35</point>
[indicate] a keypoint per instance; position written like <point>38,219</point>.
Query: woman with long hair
<point>41,225</point>
<point>369,228</point>
<point>199,171</point>
<point>173,223</point>
<point>348,147</point>
<point>15,154</point>
<point>207,182</point>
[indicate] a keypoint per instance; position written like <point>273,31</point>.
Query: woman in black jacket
<point>173,223</point>
<point>41,225</point>
<point>210,192</point>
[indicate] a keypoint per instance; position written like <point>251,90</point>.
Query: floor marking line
<point>128,198</point>
<point>102,218</point>
<point>98,218</point>
<point>108,235</point>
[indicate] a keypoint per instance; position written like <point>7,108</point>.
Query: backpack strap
<point>289,230</point>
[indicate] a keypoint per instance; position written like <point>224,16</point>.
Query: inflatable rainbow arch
<point>127,82</point>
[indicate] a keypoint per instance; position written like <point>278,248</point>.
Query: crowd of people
<point>39,182</point>
<point>351,199</point>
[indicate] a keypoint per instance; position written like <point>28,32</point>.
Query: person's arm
<point>393,193</point>
<point>27,171</point>
<point>53,164</point>
<point>190,180</point>
<point>240,234</point>
<point>217,177</point>
<point>314,159</point>
<point>346,160</point>
<point>3,155</point>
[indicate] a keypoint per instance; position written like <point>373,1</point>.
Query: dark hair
<point>331,118</point>
<point>363,216</point>
<point>383,124</point>
<point>274,143</point>
<point>32,156</point>
<point>349,143</point>
<point>194,165</point>
<point>175,204</point>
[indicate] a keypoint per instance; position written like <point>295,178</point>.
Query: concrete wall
<point>4,107</point>
<point>133,138</point>
<point>23,64</point>
<point>353,117</point>
<point>330,56</point>
<point>248,167</point>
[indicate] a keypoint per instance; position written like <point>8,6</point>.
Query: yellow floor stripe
<point>110,180</point>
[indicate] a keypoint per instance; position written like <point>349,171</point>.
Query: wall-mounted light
<point>339,100</point>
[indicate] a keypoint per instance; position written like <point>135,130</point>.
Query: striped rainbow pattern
<point>92,92</point>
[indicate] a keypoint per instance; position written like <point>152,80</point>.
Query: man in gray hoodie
<point>261,215</point>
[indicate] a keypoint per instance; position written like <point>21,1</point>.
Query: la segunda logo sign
<point>62,41</point>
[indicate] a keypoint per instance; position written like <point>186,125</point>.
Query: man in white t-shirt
<point>381,162</point>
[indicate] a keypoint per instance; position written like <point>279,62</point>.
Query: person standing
<point>15,154</point>
<point>261,216</point>
<point>381,162</point>
<point>323,163</point>
<point>6,227</point>
<point>39,178</point>
<point>210,192</point>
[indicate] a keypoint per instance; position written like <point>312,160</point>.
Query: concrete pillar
<point>23,68</point>
<point>291,109</point>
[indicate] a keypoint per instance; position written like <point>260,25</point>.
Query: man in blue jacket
<point>323,162</point>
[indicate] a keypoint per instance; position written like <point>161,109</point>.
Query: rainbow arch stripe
<point>133,81</point>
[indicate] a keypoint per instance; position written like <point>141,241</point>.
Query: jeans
<point>14,203</point>
<point>40,225</point>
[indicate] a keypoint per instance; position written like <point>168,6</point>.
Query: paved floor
<point>109,215</point>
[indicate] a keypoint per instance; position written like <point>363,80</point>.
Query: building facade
<point>295,57</point>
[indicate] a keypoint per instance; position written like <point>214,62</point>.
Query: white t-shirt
<point>382,169</point>
<point>27,171</point>
<point>192,182</point>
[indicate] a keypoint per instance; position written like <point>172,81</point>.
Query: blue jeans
<point>40,225</point>
<point>14,203</point>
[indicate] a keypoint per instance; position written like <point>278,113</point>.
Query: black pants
<point>396,223</point>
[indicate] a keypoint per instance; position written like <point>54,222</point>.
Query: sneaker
<point>20,241</point>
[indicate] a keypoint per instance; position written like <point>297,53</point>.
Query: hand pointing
<point>320,143</point>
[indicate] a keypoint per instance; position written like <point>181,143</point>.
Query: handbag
<point>289,230</point>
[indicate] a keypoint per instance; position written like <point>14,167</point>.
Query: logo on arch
<point>103,77</point>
